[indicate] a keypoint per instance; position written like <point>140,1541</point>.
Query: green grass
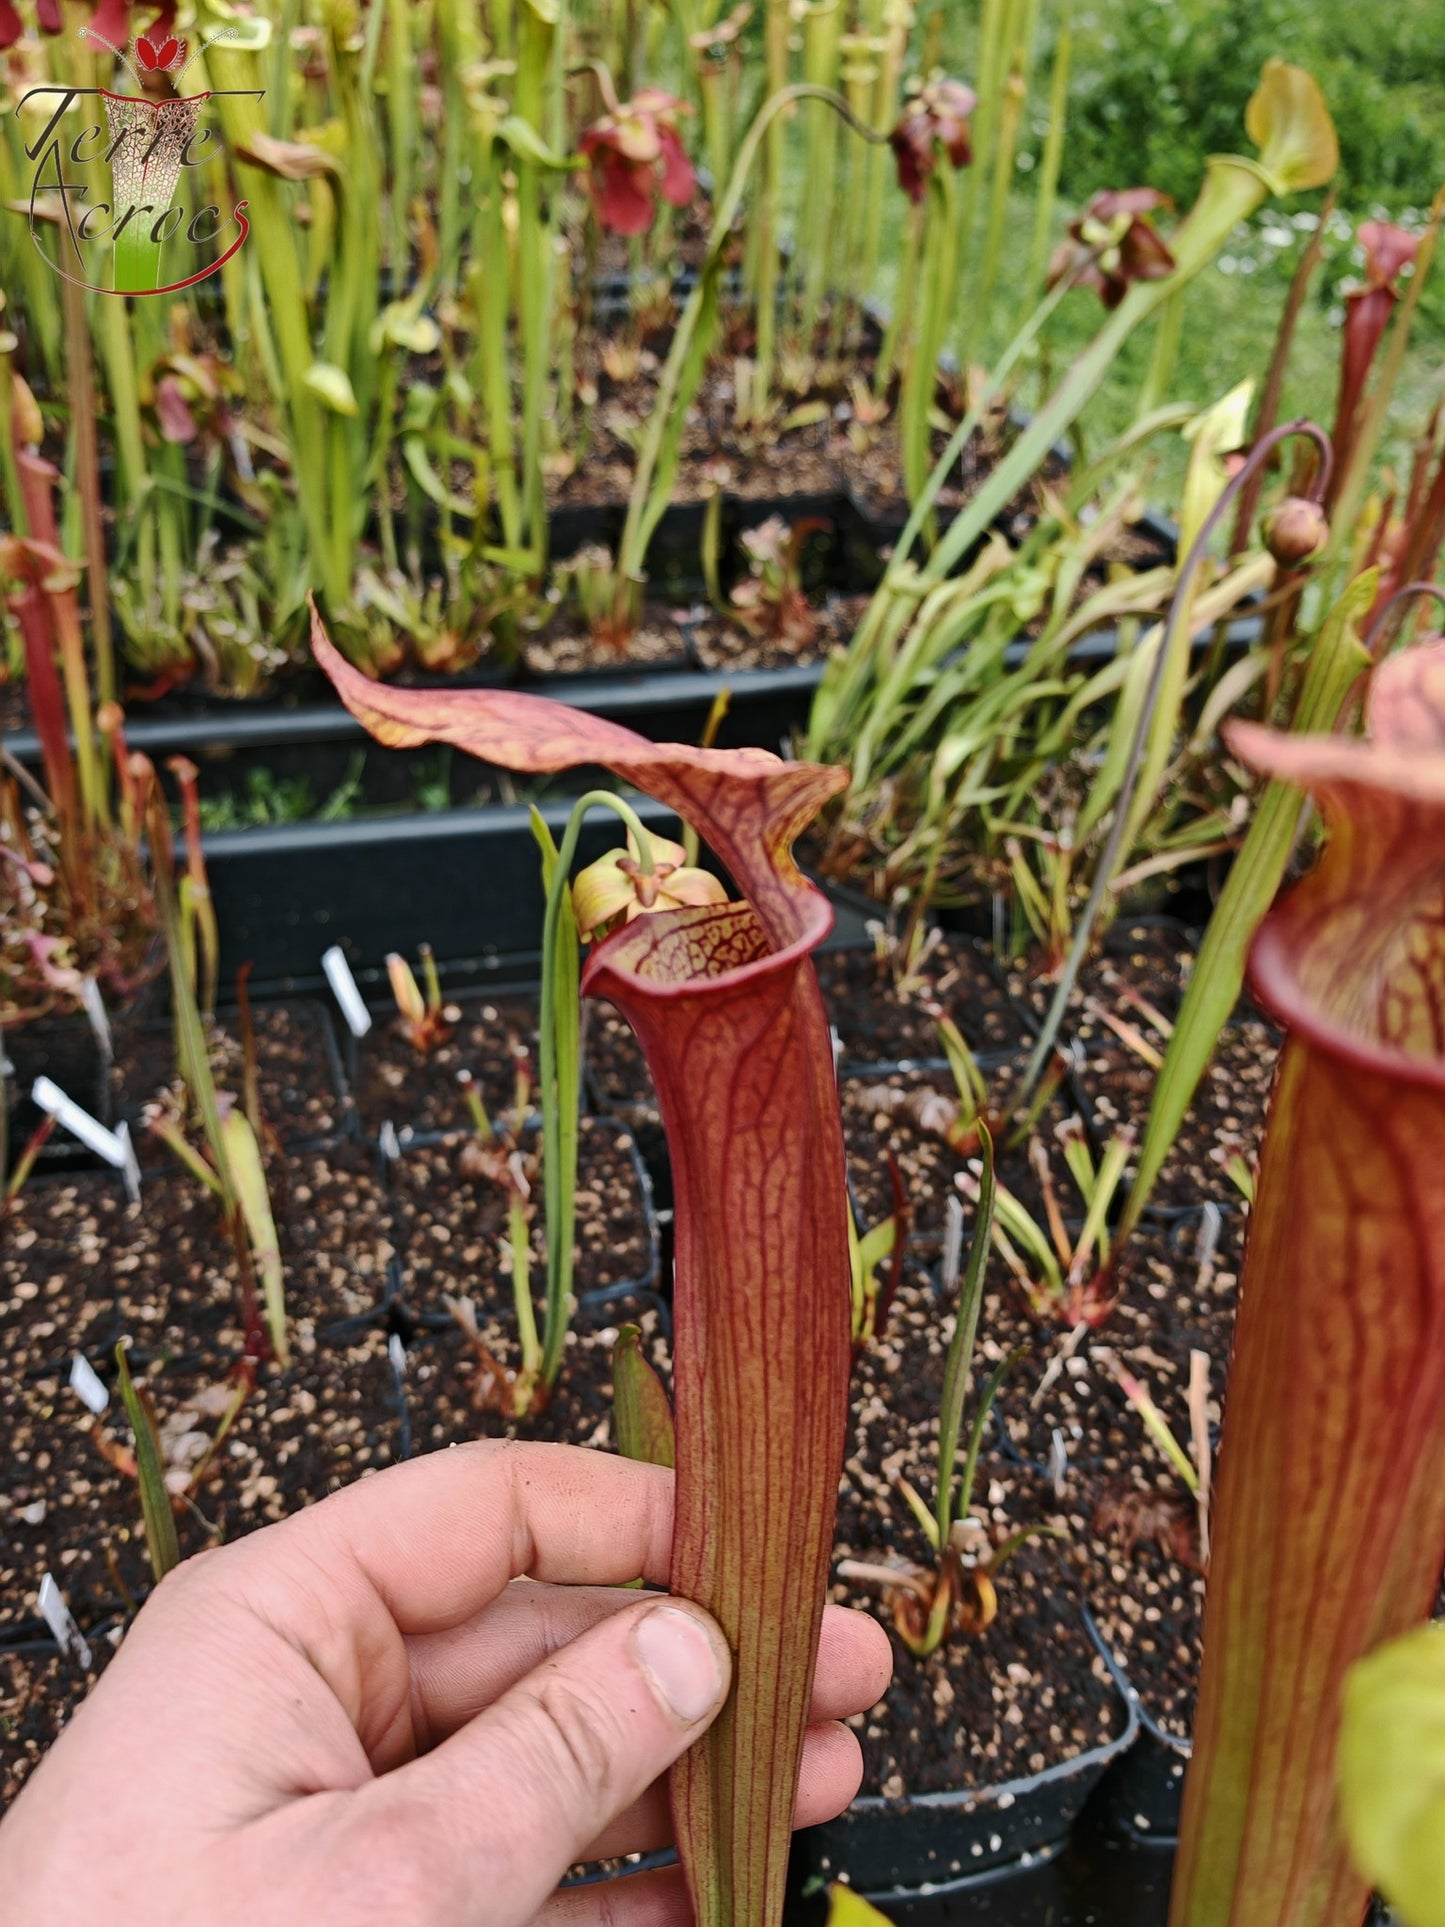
<point>1157,85</point>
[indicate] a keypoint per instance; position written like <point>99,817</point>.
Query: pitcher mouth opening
<point>699,952</point>
<point>1275,978</point>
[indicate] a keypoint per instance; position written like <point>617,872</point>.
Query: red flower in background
<point>111,22</point>
<point>934,122</point>
<point>636,153</point>
<point>11,25</point>
<point>1111,245</point>
<point>1388,251</point>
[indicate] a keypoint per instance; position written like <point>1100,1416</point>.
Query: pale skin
<point>418,1702</point>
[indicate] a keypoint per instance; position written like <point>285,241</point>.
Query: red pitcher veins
<point>1330,1531</point>
<point>725,1002</point>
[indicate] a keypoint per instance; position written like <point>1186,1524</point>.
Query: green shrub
<point>1160,86</point>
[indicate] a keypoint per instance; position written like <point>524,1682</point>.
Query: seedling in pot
<point>955,1596</point>
<point>1065,1276</point>
<point>1190,1547</point>
<point>641,1409</point>
<point>499,1157</point>
<point>770,602</point>
<point>173,1458</point>
<point>957,1119</point>
<point>231,1166</point>
<point>883,1243</point>
<point>25,1162</point>
<point>424,1020</point>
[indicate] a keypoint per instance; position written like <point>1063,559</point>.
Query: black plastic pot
<point>321,743</point>
<point>1143,1791</point>
<point>67,1051</point>
<point>465,881</point>
<point>1090,1880</point>
<point>895,1847</point>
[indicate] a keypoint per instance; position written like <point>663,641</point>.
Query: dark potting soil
<point>815,440</point>
<point>1027,1693</point>
<point>407,1087</point>
<point>298,1072</point>
<point>826,624</point>
<point>1129,1514</point>
<point>450,1395</point>
<point>453,1221</point>
<point>882,1016</point>
<point>568,649</point>
<point>79,1266</point>
<point>1126,1503</point>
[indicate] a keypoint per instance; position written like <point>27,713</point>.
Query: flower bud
<point>1296,532</point>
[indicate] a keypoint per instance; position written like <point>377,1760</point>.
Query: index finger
<point>439,1536</point>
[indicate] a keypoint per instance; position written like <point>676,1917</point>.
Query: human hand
<point>414,1705</point>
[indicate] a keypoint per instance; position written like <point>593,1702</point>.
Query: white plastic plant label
<point>91,1132</point>
<point>130,1170</point>
<point>86,1386</point>
<point>396,1352</point>
<point>99,1022</point>
<point>57,1616</point>
<point>344,989</point>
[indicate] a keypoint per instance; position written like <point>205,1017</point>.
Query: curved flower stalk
<point>1330,1521</point>
<point>725,1002</point>
<point>1148,751</point>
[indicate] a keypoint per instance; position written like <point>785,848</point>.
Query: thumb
<point>507,1804</point>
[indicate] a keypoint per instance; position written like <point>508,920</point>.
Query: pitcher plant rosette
<point>1330,1530</point>
<point>726,1005</point>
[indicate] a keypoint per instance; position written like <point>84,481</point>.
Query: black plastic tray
<point>894,1847</point>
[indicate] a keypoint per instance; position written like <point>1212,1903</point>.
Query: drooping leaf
<point>959,1362</point>
<point>243,1155</point>
<point>332,387</point>
<point>528,145</point>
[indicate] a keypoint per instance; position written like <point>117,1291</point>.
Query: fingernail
<point>680,1661</point>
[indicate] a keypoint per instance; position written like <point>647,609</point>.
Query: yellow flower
<point>615,888</point>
